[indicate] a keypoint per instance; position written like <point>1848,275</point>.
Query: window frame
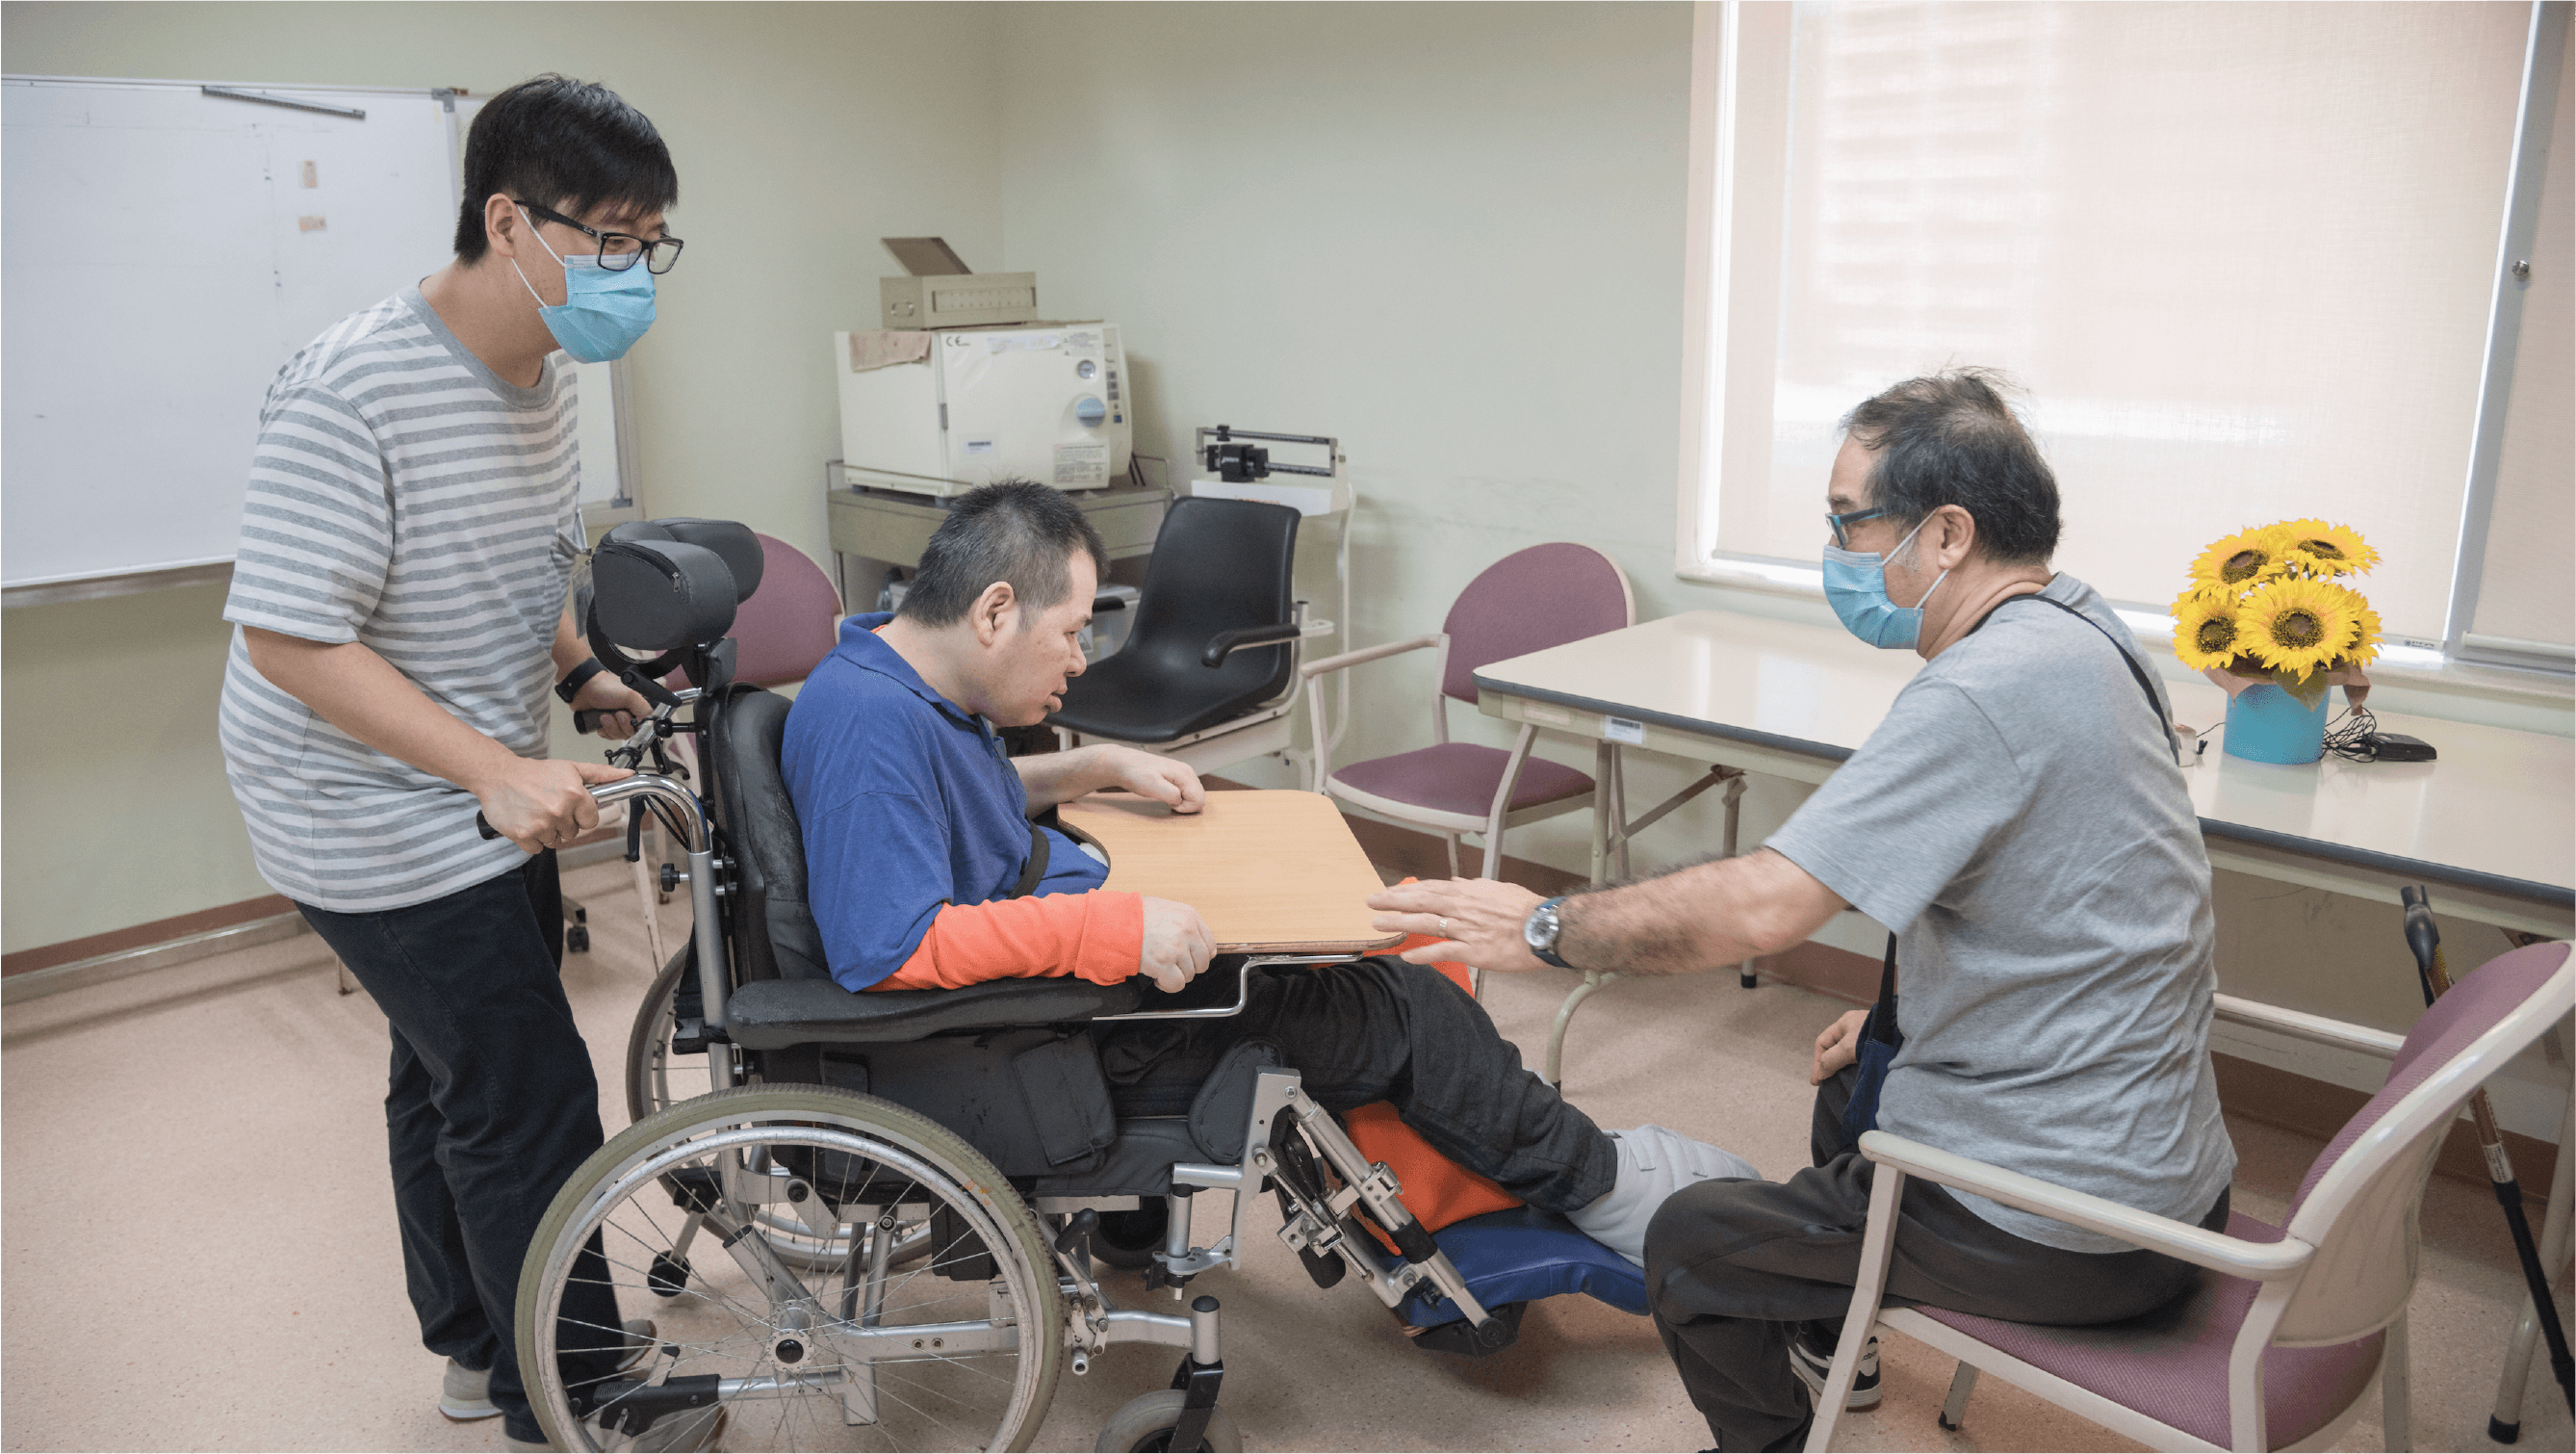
<point>1731,285</point>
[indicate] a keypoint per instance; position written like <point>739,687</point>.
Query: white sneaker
<point>466,1395</point>
<point>1812,1358</point>
<point>1654,1162</point>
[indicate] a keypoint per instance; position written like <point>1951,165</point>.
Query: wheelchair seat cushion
<point>1522,1255</point>
<point>773,1014</point>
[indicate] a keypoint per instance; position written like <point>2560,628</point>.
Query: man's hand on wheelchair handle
<point>541,803</point>
<point>1477,921</point>
<point>1177,945</point>
<point>620,707</point>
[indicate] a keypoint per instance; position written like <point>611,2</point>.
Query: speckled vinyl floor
<point>200,1245</point>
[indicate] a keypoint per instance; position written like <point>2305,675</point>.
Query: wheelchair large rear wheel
<point>659,1077</point>
<point>960,1349</point>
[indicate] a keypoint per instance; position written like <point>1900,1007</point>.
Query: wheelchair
<point>871,1219</point>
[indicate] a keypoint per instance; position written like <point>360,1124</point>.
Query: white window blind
<point>2240,254</point>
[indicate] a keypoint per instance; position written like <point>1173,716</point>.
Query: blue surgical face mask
<point>602,314</point>
<point>1856,587</point>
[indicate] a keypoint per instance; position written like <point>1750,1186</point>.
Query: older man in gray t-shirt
<point>2020,821</point>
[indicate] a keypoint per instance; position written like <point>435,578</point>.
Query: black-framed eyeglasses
<point>617,250</point>
<point>1842,524</point>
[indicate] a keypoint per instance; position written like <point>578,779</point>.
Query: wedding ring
<point>1444,927</point>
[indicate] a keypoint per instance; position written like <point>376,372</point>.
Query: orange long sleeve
<point>1096,936</point>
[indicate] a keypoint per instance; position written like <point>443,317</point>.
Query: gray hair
<point>1951,439</point>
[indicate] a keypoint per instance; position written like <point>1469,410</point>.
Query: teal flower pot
<point>2267,724</point>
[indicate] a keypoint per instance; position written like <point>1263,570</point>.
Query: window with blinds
<point>2241,256</point>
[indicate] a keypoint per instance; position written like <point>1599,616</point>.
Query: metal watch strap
<point>1547,954</point>
<point>577,678</point>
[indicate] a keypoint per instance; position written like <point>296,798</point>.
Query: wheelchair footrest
<point>1521,1255</point>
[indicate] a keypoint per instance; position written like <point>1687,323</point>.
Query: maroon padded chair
<point>2278,1347</point>
<point>1528,601</point>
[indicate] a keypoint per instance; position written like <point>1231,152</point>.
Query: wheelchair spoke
<point>772,1321</point>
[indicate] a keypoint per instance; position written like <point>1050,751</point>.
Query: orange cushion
<point>1438,1191</point>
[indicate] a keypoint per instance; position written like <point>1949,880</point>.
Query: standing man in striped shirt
<point>409,534</point>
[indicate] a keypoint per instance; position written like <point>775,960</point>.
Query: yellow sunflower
<point>2323,549</point>
<point>2207,632</point>
<point>2296,625</point>
<point>2244,558</point>
<point>2364,646</point>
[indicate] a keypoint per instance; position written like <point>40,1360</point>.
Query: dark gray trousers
<point>491,1105</point>
<point>1378,1029</point>
<point>1733,1266</point>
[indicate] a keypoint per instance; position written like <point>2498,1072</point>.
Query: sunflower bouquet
<point>2269,605</point>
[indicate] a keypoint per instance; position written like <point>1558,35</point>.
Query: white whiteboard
<point>161,256</point>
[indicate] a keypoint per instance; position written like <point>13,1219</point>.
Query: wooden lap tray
<point>1272,872</point>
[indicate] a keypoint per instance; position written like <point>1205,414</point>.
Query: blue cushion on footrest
<point>1523,1254</point>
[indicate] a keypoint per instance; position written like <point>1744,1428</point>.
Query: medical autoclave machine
<point>938,412</point>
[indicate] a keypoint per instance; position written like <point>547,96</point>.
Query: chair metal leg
<point>349,987</point>
<point>1501,811</point>
<point>2396,1415</point>
<point>1452,840</point>
<point>1955,1407</point>
<point>1592,980</point>
<point>1878,1243</point>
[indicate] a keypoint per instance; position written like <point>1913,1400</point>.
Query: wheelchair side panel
<point>1032,1100</point>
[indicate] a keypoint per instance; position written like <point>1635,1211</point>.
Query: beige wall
<point>1449,234</point>
<point>802,133</point>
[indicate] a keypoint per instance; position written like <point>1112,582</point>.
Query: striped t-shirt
<point>404,496</point>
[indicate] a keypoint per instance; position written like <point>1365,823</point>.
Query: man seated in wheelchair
<point>924,871</point>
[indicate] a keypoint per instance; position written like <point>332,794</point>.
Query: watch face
<point>1540,930</point>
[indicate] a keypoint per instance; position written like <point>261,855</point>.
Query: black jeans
<point>1379,1029</point>
<point>1733,1266</point>
<point>492,1104</point>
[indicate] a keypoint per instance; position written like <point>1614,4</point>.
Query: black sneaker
<point>1812,1357</point>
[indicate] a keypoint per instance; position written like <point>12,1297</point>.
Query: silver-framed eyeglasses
<point>618,251</point>
<point>1842,524</point>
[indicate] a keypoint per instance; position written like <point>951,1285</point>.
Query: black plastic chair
<point>1211,643</point>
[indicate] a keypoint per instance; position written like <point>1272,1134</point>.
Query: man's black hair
<point>1951,439</point>
<point>1010,530</point>
<point>569,145</point>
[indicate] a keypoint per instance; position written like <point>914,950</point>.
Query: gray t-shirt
<point>404,496</point>
<point>2021,824</point>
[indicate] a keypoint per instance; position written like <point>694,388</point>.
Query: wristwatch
<point>577,678</point>
<point>1540,929</point>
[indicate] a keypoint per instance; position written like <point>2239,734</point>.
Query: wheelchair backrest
<point>775,936</point>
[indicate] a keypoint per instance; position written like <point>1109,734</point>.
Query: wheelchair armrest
<point>1225,643</point>
<point>772,1014</point>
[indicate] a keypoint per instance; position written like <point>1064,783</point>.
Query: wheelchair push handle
<point>600,793</point>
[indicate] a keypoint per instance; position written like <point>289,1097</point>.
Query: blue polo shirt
<point>907,804</point>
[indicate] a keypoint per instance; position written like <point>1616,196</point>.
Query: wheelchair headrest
<point>669,585</point>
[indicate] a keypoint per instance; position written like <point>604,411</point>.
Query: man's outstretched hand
<point>1477,921</point>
